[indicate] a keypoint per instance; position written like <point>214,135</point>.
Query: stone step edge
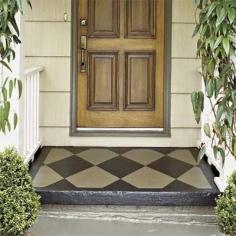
<point>152,216</point>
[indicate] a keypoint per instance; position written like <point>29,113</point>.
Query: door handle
<point>83,49</point>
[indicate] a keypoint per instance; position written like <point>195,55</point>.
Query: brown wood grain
<point>102,80</point>
<point>103,18</point>
<point>141,113</point>
<point>140,18</point>
<point>140,81</point>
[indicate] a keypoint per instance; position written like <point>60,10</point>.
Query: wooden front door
<point>121,52</point>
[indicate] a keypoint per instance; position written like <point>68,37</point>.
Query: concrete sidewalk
<point>126,221</point>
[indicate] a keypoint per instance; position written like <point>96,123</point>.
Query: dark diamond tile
<point>170,166</point>
<point>62,185</point>
<point>120,166</point>
<point>178,186</point>
<point>120,185</point>
<point>76,150</point>
<point>120,150</point>
<point>70,166</point>
<point>164,150</point>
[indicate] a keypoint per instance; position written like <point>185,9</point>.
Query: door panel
<point>140,18</point>
<point>140,81</point>
<point>102,81</point>
<point>121,85</point>
<point>103,18</point>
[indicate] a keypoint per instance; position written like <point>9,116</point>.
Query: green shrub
<point>226,208</point>
<point>19,204</point>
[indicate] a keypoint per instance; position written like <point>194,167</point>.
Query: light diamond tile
<point>97,155</point>
<point>57,154</point>
<point>183,155</point>
<point>148,178</point>
<point>93,177</point>
<point>196,178</point>
<point>143,156</point>
<point>45,177</point>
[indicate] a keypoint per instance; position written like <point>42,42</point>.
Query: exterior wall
<point>48,44</point>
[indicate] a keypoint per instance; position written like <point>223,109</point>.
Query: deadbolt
<point>83,22</point>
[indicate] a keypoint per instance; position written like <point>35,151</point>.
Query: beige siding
<point>56,109</point>
<point>50,39</point>
<point>48,10</point>
<point>183,45</point>
<point>48,44</point>
<point>185,78</point>
<point>56,76</point>
<point>183,11</point>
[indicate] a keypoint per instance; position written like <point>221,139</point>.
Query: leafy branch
<point>216,46</point>
<point>9,38</point>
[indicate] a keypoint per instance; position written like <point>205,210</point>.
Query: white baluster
<point>31,111</point>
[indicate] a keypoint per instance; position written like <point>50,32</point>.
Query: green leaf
<point>231,15</point>
<point>6,65</point>
<point>232,38</point>
<point>201,153</point>
<point>8,125</point>
<point>210,87</point>
<point>14,25</point>
<point>19,4</point>
<point>234,145</point>
<point>207,130</point>
<point>20,88</point>
<point>215,151</point>
<point>11,85</point>
<point>218,41</point>
<point>221,17</point>
<point>219,113</point>
<point>4,94</point>
<point>28,1</point>
<point>196,30</point>
<point>222,152</point>
<point>226,45</point>
<point>5,82</point>
<point>211,9</point>
<point>15,120</point>
<point>197,99</point>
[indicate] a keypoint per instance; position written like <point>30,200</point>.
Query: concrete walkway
<point>126,221</point>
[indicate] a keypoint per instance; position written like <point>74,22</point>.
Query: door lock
<point>83,48</point>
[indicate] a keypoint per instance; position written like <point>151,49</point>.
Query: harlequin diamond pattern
<point>121,169</point>
<point>170,166</point>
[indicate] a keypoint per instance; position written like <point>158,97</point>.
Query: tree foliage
<point>216,47</point>
<point>9,38</point>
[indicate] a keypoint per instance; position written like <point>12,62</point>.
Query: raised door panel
<point>103,19</point>
<point>140,81</point>
<point>140,19</point>
<point>102,81</point>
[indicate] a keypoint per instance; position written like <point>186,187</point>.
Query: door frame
<point>117,132</point>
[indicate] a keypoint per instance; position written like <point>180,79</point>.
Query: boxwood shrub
<point>19,204</point>
<point>226,208</point>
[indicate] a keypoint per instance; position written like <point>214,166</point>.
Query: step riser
<point>128,198</point>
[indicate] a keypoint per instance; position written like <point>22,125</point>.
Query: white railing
<point>31,92</point>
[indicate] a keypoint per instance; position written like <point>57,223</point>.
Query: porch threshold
<point>123,176</point>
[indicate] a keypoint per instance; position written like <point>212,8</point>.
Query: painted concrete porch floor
<point>85,175</point>
<point>128,221</point>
